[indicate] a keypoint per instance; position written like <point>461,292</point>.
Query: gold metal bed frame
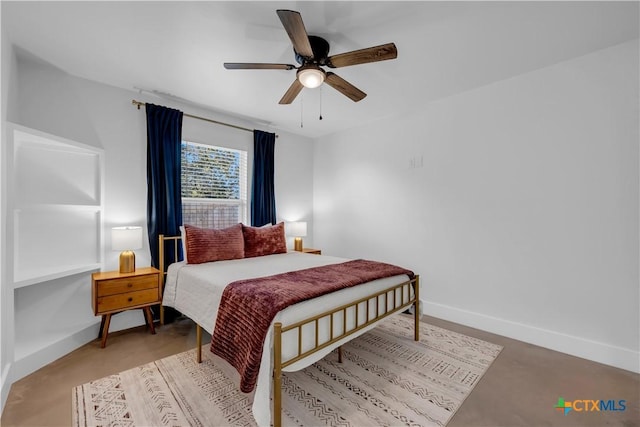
<point>278,329</point>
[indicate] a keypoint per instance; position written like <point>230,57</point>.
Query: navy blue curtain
<point>164,203</point>
<point>263,198</point>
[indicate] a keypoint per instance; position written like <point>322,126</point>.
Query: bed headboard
<point>165,244</point>
<point>174,243</point>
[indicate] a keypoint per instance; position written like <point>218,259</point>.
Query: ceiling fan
<point>312,52</point>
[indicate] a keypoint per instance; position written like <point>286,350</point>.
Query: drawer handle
<point>130,299</point>
<point>129,285</point>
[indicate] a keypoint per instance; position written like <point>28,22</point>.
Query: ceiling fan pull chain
<point>320,103</point>
<point>301,116</point>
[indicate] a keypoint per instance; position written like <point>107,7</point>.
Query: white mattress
<point>196,290</point>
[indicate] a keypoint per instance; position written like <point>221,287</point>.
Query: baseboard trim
<point>576,346</point>
<point>5,385</point>
<point>34,361</point>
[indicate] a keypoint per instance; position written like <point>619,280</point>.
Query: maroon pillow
<point>206,244</point>
<point>259,241</point>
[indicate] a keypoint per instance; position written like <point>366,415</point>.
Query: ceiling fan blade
<point>344,87</point>
<point>292,92</point>
<point>257,66</point>
<point>363,56</point>
<point>292,22</point>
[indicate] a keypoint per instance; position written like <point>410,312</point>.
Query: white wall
<point>95,114</point>
<point>522,215</point>
<point>294,183</point>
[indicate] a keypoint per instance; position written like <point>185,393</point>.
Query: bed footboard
<point>386,296</point>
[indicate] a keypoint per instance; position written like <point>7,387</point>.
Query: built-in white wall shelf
<point>56,204</point>
<point>54,240</point>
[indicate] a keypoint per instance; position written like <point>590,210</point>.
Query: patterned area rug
<point>386,378</point>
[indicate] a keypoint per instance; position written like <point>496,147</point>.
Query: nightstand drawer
<point>127,300</point>
<point>127,284</point>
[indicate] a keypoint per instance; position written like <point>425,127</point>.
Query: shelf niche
<point>56,203</point>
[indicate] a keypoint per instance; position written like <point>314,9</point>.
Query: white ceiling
<point>444,48</point>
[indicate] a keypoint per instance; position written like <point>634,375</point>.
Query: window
<point>214,185</point>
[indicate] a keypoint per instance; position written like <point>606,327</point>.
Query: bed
<point>298,335</point>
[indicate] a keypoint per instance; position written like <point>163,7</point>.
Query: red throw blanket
<point>248,307</point>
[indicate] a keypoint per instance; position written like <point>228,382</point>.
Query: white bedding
<point>196,290</point>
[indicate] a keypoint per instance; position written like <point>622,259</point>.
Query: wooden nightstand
<point>113,292</point>
<point>311,251</point>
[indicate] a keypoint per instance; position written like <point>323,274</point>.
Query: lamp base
<point>297,244</point>
<point>127,262</point>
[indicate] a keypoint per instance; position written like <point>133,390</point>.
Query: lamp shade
<point>297,229</point>
<point>126,238</point>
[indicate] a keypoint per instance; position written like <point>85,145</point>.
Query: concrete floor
<point>520,388</point>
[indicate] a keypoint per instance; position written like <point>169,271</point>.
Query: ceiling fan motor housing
<point>320,48</point>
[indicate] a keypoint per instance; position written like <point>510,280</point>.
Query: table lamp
<point>126,239</point>
<point>298,230</point>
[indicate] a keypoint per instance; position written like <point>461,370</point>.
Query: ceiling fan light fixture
<point>311,77</point>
